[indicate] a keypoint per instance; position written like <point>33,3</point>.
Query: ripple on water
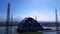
<point>2,31</point>
<point>49,32</point>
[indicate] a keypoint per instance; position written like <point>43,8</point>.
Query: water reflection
<point>49,32</point>
<point>2,31</point>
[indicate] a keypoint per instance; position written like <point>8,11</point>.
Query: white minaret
<point>11,23</point>
<point>36,17</point>
<point>7,18</point>
<point>57,25</point>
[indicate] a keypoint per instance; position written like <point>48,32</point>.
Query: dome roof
<point>29,24</point>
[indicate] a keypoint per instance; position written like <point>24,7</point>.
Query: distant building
<point>29,25</point>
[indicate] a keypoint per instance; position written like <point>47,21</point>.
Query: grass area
<point>15,32</point>
<point>31,33</point>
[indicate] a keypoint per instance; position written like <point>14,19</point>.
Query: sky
<point>43,9</point>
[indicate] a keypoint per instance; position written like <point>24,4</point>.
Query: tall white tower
<point>57,24</point>
<point>7,18</point>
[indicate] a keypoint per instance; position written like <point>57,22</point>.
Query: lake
<point>2,31</point>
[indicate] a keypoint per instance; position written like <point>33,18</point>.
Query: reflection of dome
<point>29,25</point>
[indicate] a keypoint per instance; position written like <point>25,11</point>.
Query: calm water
<point>2,31</point>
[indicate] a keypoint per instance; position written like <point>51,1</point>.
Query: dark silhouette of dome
<point>29,25</point>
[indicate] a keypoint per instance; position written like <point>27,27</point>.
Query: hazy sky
<point>44,9</point>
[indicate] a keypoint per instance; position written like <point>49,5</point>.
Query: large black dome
<point>29,25</point>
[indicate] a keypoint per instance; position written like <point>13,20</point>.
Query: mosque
<point>29,25</point>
